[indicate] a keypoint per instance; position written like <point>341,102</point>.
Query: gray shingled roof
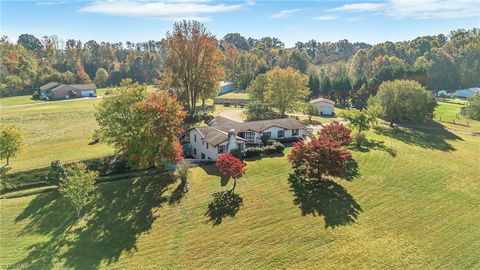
<point>61,87</point>
<point>84,86</point>
<point>220,120</point>
<point>259,126</point>
<point>217,132</point>
<point>322,100</point>
<point>49,86</point>
<point>54,86</point>
<point>214,136</point>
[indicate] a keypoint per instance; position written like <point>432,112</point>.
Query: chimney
<point>232,140</point>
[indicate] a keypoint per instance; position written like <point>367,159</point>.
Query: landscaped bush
<point>56,172</point>
<point>269,150</point>
<point>253,152</point>
<point>108,165</point>
<point>265,139</point>
<point>360,139</point>
<point>182,172</point>
<point>227,104</point>
<point>289,140</point>
<point>237,153</point>
<point>279,147</point>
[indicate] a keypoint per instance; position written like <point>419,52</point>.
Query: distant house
<point>443,93</point>
<point>54,90</point>
<point>226,87</point>
<point>325,106</point>
<point>223,135</point>
<point>466,93</point>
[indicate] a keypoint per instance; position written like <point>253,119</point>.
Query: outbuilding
<point>325,106</point>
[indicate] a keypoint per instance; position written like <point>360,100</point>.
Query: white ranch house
<point>224,135</point>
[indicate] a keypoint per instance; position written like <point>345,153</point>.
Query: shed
<point>325,106</point>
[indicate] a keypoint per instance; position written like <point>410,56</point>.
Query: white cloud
<point>417,9</point>
<point>325,18</point>
<point>360,7</point>
<point>284,13</point>
<point>169,10</point>
<point>431,9</point>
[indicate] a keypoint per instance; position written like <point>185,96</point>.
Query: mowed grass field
<point>55,130</point>
<point>235,95</point>
<point>415,206</point>
<point>447,113</point>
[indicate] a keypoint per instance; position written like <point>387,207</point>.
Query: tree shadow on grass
<point>325,198</point>
<point>428,137</point>
<point>368,145</point>
<point>352,172</point>
<point>115,220</point>
<point>178,193</point>
<point>224,204</point>
<point>211,169</point>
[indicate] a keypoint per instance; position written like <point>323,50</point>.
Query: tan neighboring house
<point>54,90</point>
<point>325,106</point>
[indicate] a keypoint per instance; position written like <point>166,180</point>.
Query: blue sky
<point>291,21</point>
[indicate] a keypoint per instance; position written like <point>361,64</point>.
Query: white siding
<point>201,147</point>
<point>325,108</point>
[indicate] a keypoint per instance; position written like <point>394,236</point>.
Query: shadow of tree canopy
<point>178,193</point>
<point>113,223</point>
<point>211,169</point>
<point>224,204</point>
<point>426,137</point>
<point>368,145</point>
<point>324,198</point>
<point>353,170</point>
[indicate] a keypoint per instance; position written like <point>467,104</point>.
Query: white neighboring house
<point>325,106</point>
<point>466,93</point>
<point>224,135</point>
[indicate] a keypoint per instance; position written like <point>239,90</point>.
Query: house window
<point>207,145</point>
<point>294,132</point>
<point>194,151</point>
<point>203,156</point>
<point>195,137</point>
<point>221,149</point>
<point>250,136</point>
<point>267,134</point>
<point>281,134</point>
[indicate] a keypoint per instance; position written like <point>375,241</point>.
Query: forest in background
<point>344,71</point>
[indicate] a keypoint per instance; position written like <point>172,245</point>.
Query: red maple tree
<point>318,158</point>
<point>231,166</point>
<point>336,132</point>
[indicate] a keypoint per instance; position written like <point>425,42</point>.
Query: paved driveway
<point>235,115</point>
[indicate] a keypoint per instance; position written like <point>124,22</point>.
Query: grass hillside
<point>57,130</point>
<point>416,204</point>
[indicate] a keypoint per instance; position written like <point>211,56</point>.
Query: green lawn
<point>58,130</point>
<point>235,95</point>
<point>448,113</point>
<point>415,205</point>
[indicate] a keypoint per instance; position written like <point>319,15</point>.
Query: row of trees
<point>340,70</point>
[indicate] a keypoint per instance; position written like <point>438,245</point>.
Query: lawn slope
<point>416,204</point>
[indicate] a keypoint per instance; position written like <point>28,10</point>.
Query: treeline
<point>344,71</point>
<point>351,72</point>
<point>32,62</point>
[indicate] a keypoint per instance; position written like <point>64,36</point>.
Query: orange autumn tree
<point>194,62</point>
<point>142,125</point>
